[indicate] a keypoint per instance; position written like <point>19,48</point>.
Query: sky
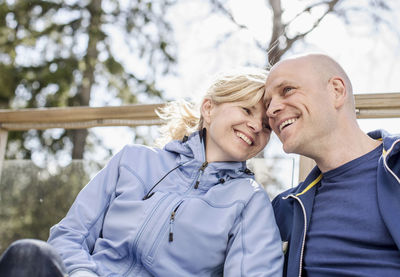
<point>368,56</point>
<point>369,59</point>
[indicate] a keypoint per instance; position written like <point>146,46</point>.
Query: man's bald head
<point>324,68</point>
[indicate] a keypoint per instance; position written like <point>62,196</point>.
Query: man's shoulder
<point>381,134</point>
<point>287,192</point>
<point>389,140</point>
<point>283,211</point>
<point>279,202</point>
<point>313,177</point>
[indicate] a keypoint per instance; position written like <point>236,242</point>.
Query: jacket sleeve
<point>255,247</point>
<point>75,235</point>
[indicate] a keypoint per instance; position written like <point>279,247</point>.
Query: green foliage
<point>54,53</point>
<point>8,84</point>
<point>32,200</point>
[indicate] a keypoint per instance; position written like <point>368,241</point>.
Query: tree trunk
<point>278,29</point>
<point>78,137</point>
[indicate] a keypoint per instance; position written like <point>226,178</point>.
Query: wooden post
<point>3,144</point>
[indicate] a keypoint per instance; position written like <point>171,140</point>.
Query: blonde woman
<point>191,208</point>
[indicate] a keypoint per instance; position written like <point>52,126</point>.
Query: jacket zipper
<point>171,223</point>
<point>202,168</point>
<point>143,227</point>
<point>305,230</point>
<point>385,162</point>
<point>173,214</point>
<point>167,225</point>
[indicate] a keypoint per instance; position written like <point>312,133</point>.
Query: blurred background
<point>116,52</point>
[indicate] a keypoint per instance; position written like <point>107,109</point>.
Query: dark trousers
<point>33,258</point>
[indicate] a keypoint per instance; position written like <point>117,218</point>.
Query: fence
<point>385,105</point>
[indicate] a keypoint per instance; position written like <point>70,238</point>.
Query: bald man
<point>344,219</point>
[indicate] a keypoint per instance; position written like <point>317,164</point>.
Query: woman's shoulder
<point>143,154</point>
<point>246,188</point>
<point>140,148</point>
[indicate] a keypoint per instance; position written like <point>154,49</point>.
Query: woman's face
<point>235,131</point>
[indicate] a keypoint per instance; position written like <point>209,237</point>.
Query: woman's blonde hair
<point>183,118</point>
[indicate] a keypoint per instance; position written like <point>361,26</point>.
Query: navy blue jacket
<point>293,207</point>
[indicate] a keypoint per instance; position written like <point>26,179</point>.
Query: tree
<point>289,30</point>
<point>56,53</point>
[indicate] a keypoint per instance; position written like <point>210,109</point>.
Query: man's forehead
<point>276,83</point>
<point>279,78</point>
<point>286,72</point>
<point>287,65</point>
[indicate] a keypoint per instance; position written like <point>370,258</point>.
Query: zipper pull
<point>202,168</point>
<point>171,223</point>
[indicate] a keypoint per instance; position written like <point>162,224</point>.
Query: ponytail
<point>181,119</point>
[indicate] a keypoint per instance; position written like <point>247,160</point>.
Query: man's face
<point>298,105</point>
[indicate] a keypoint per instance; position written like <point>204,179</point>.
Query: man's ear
<point>206,107</point>
<point>339,91</point>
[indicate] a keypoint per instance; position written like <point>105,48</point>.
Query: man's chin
<point>289,149</point>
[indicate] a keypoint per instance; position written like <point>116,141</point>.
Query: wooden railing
<point>383,105</point>
<point>78,117</point>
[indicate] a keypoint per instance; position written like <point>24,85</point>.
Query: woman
<point>189,209</point>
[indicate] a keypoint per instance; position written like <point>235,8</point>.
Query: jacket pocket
<point>168,227</point>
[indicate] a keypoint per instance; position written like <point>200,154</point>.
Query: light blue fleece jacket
<point>202,220</point>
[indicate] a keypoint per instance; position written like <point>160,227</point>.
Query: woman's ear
<point>339,91</point>
<point>206,107</point>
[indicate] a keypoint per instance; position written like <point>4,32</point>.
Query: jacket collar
<point>315,175</point>
<point>389,140</point>
<point>190,153</point>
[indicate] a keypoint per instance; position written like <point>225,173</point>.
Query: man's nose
<point>274,107</point>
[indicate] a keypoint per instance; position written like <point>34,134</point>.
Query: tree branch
<point>218,5</point>
<point>276,47</point>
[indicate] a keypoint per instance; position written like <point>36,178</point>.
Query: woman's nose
<point>255,124</point>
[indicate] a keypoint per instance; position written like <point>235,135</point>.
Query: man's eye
<point>287,90</point>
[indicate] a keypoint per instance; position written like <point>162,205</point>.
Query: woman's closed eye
<point>246,110</point>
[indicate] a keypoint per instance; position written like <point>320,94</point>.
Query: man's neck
<point>344,149</point>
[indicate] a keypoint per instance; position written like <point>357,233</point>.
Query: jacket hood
<point>190,153</point>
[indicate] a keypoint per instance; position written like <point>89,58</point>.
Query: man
<point>343,220</point>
